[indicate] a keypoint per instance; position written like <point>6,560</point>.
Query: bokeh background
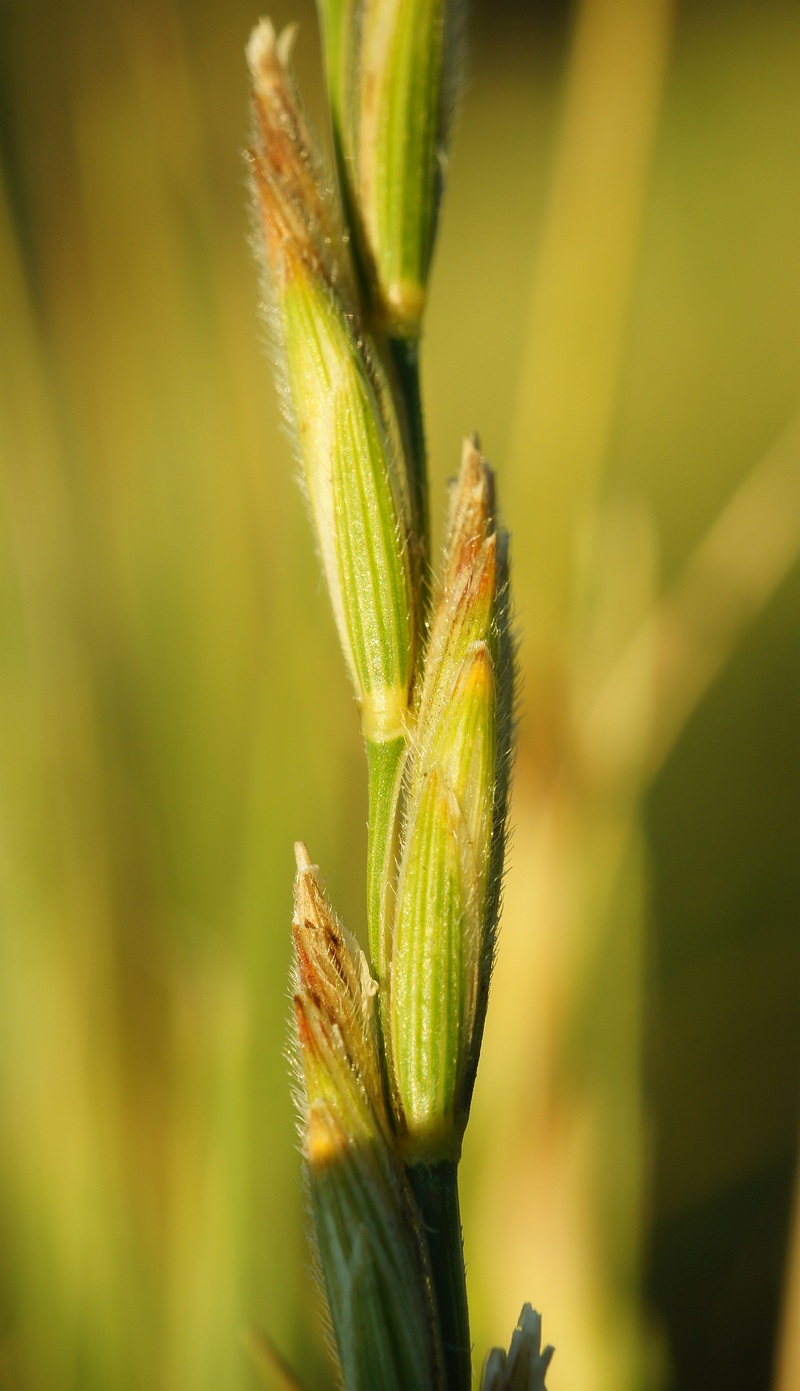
<point>616,307</point>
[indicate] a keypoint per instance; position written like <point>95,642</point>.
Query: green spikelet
<point>456,788</point>
<point>340,403</point>
<point>391,128</point>
<point>371,1246</point>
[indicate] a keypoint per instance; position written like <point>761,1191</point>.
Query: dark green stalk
<point>405,360</point>
<point>435,1187</point>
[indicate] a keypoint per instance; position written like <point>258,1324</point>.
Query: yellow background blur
<point>616,308</point>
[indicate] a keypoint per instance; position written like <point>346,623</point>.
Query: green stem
<point>384,762</point>
<point>435,1187</point>
<point>405,358</point>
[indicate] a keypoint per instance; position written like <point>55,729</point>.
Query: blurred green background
<point>616,307</point>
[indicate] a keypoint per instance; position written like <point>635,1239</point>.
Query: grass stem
<point>405,360</point>
<point>435,1187</point>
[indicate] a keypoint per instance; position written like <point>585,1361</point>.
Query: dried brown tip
<point>293,197</point>
<point>472,577</point>
<point>269,56</point>
<point>471,510</point>
<point>310,908</point>
<point>302,858</point>
<point>329,963</point>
